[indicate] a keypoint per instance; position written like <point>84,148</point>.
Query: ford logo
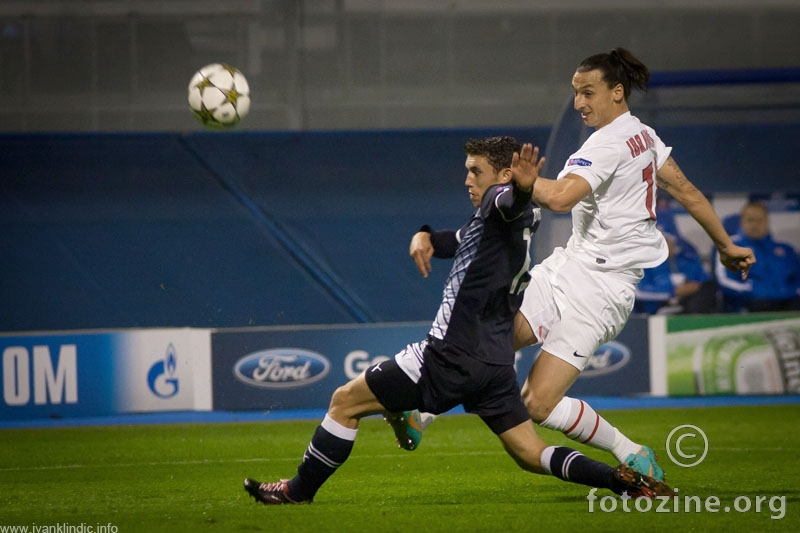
<point>608,358</point>
<point>281,368</point>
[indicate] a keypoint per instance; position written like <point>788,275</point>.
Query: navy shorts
<point>434,377</point>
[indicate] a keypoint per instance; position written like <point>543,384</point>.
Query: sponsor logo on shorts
<point>281,368</point>
<point>608,358</point>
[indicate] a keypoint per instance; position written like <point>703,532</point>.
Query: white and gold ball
<point>219,95</point>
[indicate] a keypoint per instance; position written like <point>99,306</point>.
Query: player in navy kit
<point>582,295</point>
<point>468,355</point>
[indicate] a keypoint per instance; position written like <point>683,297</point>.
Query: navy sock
<point>571,465</point>
<point>325,453</point>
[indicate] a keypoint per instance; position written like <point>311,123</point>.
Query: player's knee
<point>538,406</point>
<point>341,400</point>
<point>352,401</point>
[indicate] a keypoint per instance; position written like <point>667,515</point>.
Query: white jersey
<point>614,227</point>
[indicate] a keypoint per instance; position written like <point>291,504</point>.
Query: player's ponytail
<point>618,66</point>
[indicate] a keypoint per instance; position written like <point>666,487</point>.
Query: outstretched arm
<point>556,195</point>
<point>672,180</point>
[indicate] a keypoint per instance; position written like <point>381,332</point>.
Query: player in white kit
<point>581,296</point>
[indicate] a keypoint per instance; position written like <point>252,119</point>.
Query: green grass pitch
<point>188,477</point>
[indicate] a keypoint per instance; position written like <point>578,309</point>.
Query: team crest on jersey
<point>579,161</point>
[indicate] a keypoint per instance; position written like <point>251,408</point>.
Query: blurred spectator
<point>774,280</point>
<point>679,284</point>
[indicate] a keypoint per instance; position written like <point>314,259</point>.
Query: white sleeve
<point>594,164</point>
<point>662,151</point>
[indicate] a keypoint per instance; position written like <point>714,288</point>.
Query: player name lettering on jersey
<point>638,144</point>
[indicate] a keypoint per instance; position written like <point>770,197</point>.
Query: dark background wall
<point>207,230</point>
<point>118,210</point>
<point>124,65</point>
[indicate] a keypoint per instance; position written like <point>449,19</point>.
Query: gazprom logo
<point>161,376</point>
<point>281,368</point>
<point>608,358</point>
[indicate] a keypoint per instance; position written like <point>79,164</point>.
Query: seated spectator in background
<point>679,284</point>
<point>774,280</point>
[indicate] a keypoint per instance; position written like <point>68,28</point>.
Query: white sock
<point>544,460</point>
<point>336,429</point>
<point>578,421</point>
<point>623,446</point>
<point>566,415</point>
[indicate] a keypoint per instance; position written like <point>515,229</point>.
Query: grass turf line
<point>188,477</point>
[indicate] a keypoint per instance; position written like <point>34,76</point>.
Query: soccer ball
<point>219,95</point>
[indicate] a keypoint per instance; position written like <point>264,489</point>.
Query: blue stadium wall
<point>254,229</point>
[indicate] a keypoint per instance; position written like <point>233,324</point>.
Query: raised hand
<point>525,166</point>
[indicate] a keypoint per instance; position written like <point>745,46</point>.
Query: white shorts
<point>573,308</point>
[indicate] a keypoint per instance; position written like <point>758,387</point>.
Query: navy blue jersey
<point>490,271</point>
